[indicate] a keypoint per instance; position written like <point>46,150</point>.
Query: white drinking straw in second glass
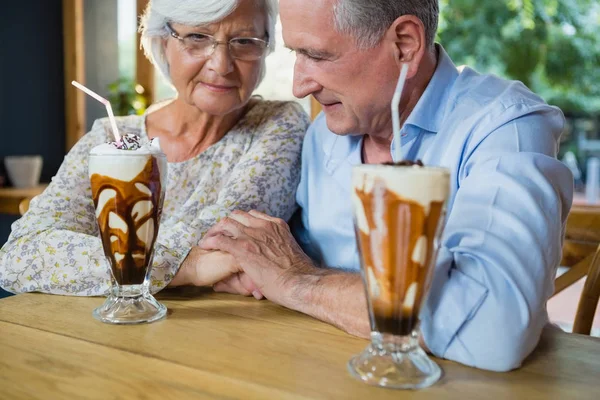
<point>396,111</point>
<point>111,117</point>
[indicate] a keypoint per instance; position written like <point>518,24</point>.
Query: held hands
<point>255,254</point>
<point>246,254</point>
<point>206,268</point>
<point>239,283</point>
<point>265,250</point>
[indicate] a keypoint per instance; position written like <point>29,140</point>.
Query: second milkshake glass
<point>398,214</point>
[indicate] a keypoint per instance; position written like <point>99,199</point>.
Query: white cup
<point>24,171</point>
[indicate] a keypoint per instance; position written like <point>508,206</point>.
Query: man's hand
<point>266,251</point>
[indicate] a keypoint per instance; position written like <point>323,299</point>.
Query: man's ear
<point>406,36</point>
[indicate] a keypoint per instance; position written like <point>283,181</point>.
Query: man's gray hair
<point>191,13</point>
<point>367,20</point>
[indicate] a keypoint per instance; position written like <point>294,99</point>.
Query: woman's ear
<point>407,38</point>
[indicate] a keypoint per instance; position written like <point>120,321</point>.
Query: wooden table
<point>10,198</point>
<point>230,347</point>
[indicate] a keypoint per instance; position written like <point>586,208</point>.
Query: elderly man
<point>509,195</point>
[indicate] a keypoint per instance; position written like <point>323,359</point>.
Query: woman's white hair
<point>192,13</point>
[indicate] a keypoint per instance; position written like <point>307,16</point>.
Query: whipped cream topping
<point>129,144</point>
<point>422,185</point>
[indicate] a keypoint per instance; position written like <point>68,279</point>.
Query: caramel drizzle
<point>129,270</point>
<point>406,222</point>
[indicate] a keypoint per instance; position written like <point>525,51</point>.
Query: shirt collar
<point>429,112</point>
<point>341,149</point>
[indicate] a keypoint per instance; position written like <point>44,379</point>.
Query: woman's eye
<point>198,37</point>
<point>244,41</point>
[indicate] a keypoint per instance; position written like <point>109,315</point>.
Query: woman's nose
<point>220,60</point>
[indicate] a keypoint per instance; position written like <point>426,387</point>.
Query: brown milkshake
<point>398,209</point>
<point>128,191</point>
<point>128,215</point>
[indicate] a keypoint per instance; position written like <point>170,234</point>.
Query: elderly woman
<point>226,150</point>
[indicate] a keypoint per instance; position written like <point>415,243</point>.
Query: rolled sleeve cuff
<point>458,300</point>
<point>166,267</point>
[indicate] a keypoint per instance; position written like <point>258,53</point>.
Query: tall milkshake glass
<point>128,188</point>
<point>398,213</point>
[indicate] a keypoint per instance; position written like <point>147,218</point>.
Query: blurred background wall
<point>32,115</point>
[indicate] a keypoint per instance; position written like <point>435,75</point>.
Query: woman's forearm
<point>55,261</point>
<point>205,268</point>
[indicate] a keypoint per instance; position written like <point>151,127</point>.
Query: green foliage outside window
<point>127,97</point>
<point>552,46</point>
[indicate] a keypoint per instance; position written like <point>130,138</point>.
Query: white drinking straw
<point>396,111</point>
<point>106,103</point>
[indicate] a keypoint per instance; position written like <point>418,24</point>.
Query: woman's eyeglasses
<point>203,45</point>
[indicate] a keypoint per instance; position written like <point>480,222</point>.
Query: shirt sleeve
<point>55,247</point>
<point>265,179</point>
<point>299,220</point>
<point>501,244</point>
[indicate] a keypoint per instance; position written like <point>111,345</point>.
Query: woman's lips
<point>217,88</point>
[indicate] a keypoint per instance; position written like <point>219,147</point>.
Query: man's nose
<point>304,84</point>
<point>220,60</point>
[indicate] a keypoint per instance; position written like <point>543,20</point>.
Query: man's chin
<point>339,125</point>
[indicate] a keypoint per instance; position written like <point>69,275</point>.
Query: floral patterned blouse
<point>56,248</point>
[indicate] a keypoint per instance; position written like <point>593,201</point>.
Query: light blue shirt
<point>506,213</point>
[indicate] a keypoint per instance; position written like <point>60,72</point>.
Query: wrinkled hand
<point>265,250</point>
<point>206,268</point>
<point>239,283</point>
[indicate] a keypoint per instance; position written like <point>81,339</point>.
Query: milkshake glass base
<point>130,305</point>
<point>394,362</point>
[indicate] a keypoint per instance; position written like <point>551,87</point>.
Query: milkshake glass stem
<point>130,304</point>
<point>396,362</point>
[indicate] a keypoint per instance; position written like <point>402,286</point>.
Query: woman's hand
<point>239,283</point>
<point>205,268</point>
<point>268,254</point>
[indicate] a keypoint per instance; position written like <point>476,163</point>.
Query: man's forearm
<point>335,297</point>
<point>338,298</point>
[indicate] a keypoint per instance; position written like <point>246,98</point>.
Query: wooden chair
<point>581,253</point>
<point>588,302</point>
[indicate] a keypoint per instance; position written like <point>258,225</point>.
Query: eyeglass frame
<point>214,42</point>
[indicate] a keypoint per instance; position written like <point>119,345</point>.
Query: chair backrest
<point>582,237</point>
<point>588,302</point>
<point>581,253</point>
<point>583,224</point>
